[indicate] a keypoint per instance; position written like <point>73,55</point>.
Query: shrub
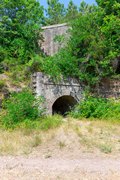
<point>92,107</point>
<point>34,65</point>
<point>21,106</point>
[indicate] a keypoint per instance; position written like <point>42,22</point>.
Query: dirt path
<point>34,168</point>
<point>75,151</point>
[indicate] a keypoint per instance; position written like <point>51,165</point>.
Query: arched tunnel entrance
<point>63,105</point>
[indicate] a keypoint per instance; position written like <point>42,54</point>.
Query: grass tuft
<point>105,148</point>
<point>62,144</point>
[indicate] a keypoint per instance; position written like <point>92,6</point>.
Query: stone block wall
<point>109,88</point>
<point>49,45</point>
<point>51,91</point>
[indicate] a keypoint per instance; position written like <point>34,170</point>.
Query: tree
<point>55,12</point>
<point>111,29</point>
<point>20,23</point>
<point>83,7</point>
<point>93,46</point>
<point>110,6</point>
<point>95,43</point>
<point>86,8</point>
<point>72,11</point>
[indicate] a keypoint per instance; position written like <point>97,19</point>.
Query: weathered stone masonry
<point>49,45</point>
<point>70,90</point>
<point>58,96</point>
<point>109,88</point>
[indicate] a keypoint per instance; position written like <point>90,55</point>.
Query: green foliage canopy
<point>93,46</point>
<point>20,23</point>
<point>110,6</point>
<point>71,12</point>
<point>94,43</point>
<point>55,12</point>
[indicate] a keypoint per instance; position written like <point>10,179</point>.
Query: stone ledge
<point>54,26</point>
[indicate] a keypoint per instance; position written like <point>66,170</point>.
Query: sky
<point>65,2</point>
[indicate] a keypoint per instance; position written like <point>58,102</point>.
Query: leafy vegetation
<point>55,12</point>
<point>71,12</point>
<point>93,47</point>
<point>20,23</point>
<point>25,111</point>
<point>99,108</point>
<point>21,106</point>
<point>91,53</point>
<point>43,123</point>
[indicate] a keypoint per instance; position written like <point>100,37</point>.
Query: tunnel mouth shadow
<point>63,105</point>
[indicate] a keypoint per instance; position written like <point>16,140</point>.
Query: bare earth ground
<point>69,153</point>
<point>89,168</point>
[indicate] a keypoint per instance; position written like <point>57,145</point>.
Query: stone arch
<point>63,104</point>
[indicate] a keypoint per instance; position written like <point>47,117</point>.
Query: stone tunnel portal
<point>63,105</point>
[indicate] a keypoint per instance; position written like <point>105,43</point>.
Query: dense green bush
<point>20,23</point>
<point>92,107</point>
<point>21,106</point>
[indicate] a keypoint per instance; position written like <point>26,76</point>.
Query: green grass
<point>45,123</point>
<point>51,122</point>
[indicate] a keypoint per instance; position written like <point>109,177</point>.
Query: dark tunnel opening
<point>63,105</point>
